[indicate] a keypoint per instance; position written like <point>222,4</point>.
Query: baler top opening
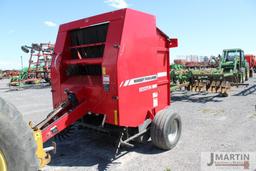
<point>88,42</point>
<point>84,54</point>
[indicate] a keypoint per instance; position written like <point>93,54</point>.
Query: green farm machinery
<point>231,70</point>
<point>17,80</point>
<point>180,76</point>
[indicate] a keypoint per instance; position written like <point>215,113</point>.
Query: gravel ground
<point>210,123</point>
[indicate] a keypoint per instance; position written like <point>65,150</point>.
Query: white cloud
<point>10,31</point>
<point>50,24</point>
<point>117,3</point>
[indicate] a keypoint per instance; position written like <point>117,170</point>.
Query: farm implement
<point>38,70</point>
<point>100,75</point>
<point>232,70</point>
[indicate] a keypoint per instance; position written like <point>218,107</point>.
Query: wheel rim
<point>173,132</point>
<point>3,165</point>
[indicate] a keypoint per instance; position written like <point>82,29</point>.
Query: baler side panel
<point>137,68</point>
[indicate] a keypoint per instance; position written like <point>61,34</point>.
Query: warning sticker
<point>106,82</point>
<point>155,102</point>
<point>106,79</point>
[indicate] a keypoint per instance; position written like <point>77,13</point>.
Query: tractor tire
<point>165,129</point>
<point>247,74</point>
<point>17,145</point>
<point>241,78</point>
<point>242,75</point>
<point>251,73</point>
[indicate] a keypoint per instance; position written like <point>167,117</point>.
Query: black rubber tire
<point>16,140</point>
<point>161,126</point>
<point>247,74</point>
<point>251,73</point>
<point>241,78</point>
<point>224,94</point>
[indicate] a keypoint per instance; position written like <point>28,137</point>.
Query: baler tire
<point>16,140</point>
<point>161,128</point>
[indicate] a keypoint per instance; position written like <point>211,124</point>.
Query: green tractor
<point>234,65</point>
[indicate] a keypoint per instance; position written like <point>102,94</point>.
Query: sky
<point>203,27</point>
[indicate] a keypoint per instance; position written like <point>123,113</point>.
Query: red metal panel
<point>138,69</point>
<point>251,59</point>
<point>56,68</point>
<point>163,65</point>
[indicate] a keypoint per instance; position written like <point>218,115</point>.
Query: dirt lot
<point>210,123</point>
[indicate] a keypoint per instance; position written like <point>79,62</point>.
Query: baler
<point>110,72</point>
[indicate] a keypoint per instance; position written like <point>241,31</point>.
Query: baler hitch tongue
<point>42,153</point>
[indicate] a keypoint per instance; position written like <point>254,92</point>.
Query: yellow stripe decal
<point>115,117</point>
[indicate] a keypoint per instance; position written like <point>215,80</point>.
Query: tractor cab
<point>234,65</point>
<point>233,59</point>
